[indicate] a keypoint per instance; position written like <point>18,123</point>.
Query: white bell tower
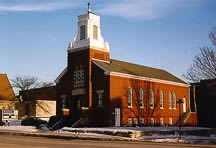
<point>89,33</point>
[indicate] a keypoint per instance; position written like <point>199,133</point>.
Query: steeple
<point>88,33</point>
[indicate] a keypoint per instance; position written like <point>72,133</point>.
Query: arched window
<point>174,100</point>
<point>170,100</point>
<point>151,98</point>
<point>161,100</point>
<point>130,97</point>
<point>141,98</point>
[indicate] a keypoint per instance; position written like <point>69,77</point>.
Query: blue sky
<point>166,34</point>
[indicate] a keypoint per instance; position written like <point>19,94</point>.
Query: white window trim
<point>160,100</point>
<point>94,32</point>
<point>142,106</point>
<point>135,121</point>
<point>162,119</point>
<point>170,123</point>
<point>130,124</point>
<point>174,107</point>
<point>152,123</point>
<point>151,91</point>
<point>170,99</point>
<point>131,106</point>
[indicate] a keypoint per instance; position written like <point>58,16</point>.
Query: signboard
<point>8,115</point>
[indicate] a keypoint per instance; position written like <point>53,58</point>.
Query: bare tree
<point>143,109</point>
<point>24,84</point>
<point>212,36</point>
<point>28,82</point>
<point>204,63</point>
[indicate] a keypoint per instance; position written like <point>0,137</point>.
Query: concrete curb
<point>65,136</point>
<point>70,136</point>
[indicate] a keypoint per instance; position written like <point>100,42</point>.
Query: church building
<point>99,91</point>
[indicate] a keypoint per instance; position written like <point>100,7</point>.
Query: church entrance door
<point>78,104</point>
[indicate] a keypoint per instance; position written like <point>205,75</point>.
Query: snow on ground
<point>102,132</point>
<point>89,134</point>
<point>108,129</point>
<point>132,129</point>
<point>19,128</point>
<point>155,137</point>
<point>184,139</point>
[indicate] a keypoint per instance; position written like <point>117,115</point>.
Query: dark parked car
<point>33,121</point>
<point>1,123</point>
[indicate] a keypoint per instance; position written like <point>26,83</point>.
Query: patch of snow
<point>19,128</point>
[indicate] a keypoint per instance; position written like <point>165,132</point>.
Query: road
<point>39,142</point>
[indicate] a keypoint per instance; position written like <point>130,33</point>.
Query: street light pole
<point>180,101</point>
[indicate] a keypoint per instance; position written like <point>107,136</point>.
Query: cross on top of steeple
<point>89,7</point>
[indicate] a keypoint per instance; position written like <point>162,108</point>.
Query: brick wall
<point>100,115</point>
<point>119,92</point>
<point>65,86</point>
<point>192,119</point>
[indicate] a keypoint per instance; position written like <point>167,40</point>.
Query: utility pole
<point>180,101</point>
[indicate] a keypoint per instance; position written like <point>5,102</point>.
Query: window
<point>142,121</point>
<point>151,99</point>
<point>78,76</point>
<point>161,121</point>
<point>161,100</point>
<point>79,104</point>
<point>174,100</point>
<point>170,121</point>
<point>95,32</point>
<point>141,96</point>
<point>152,121</point>
<point>170,100</point>
<point>63,97</point>
<point>135,121</point>
<point>100,102</point>
<point>130,121</point>
<point>130,97</point>
<point>82,32</point>
<point>100,97</point>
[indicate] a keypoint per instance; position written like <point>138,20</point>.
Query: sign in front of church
<point>8,115</point>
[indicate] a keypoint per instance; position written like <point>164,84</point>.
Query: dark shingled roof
<point>139,70</point>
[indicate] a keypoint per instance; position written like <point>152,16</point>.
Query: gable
<point>6,91</point>
<point>130,70</point>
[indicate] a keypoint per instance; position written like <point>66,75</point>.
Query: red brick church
<point>98,90</point>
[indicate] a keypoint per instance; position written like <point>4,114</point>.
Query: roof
<point>139,70</point>
<point>6,91</point>
<point>43,93</point>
